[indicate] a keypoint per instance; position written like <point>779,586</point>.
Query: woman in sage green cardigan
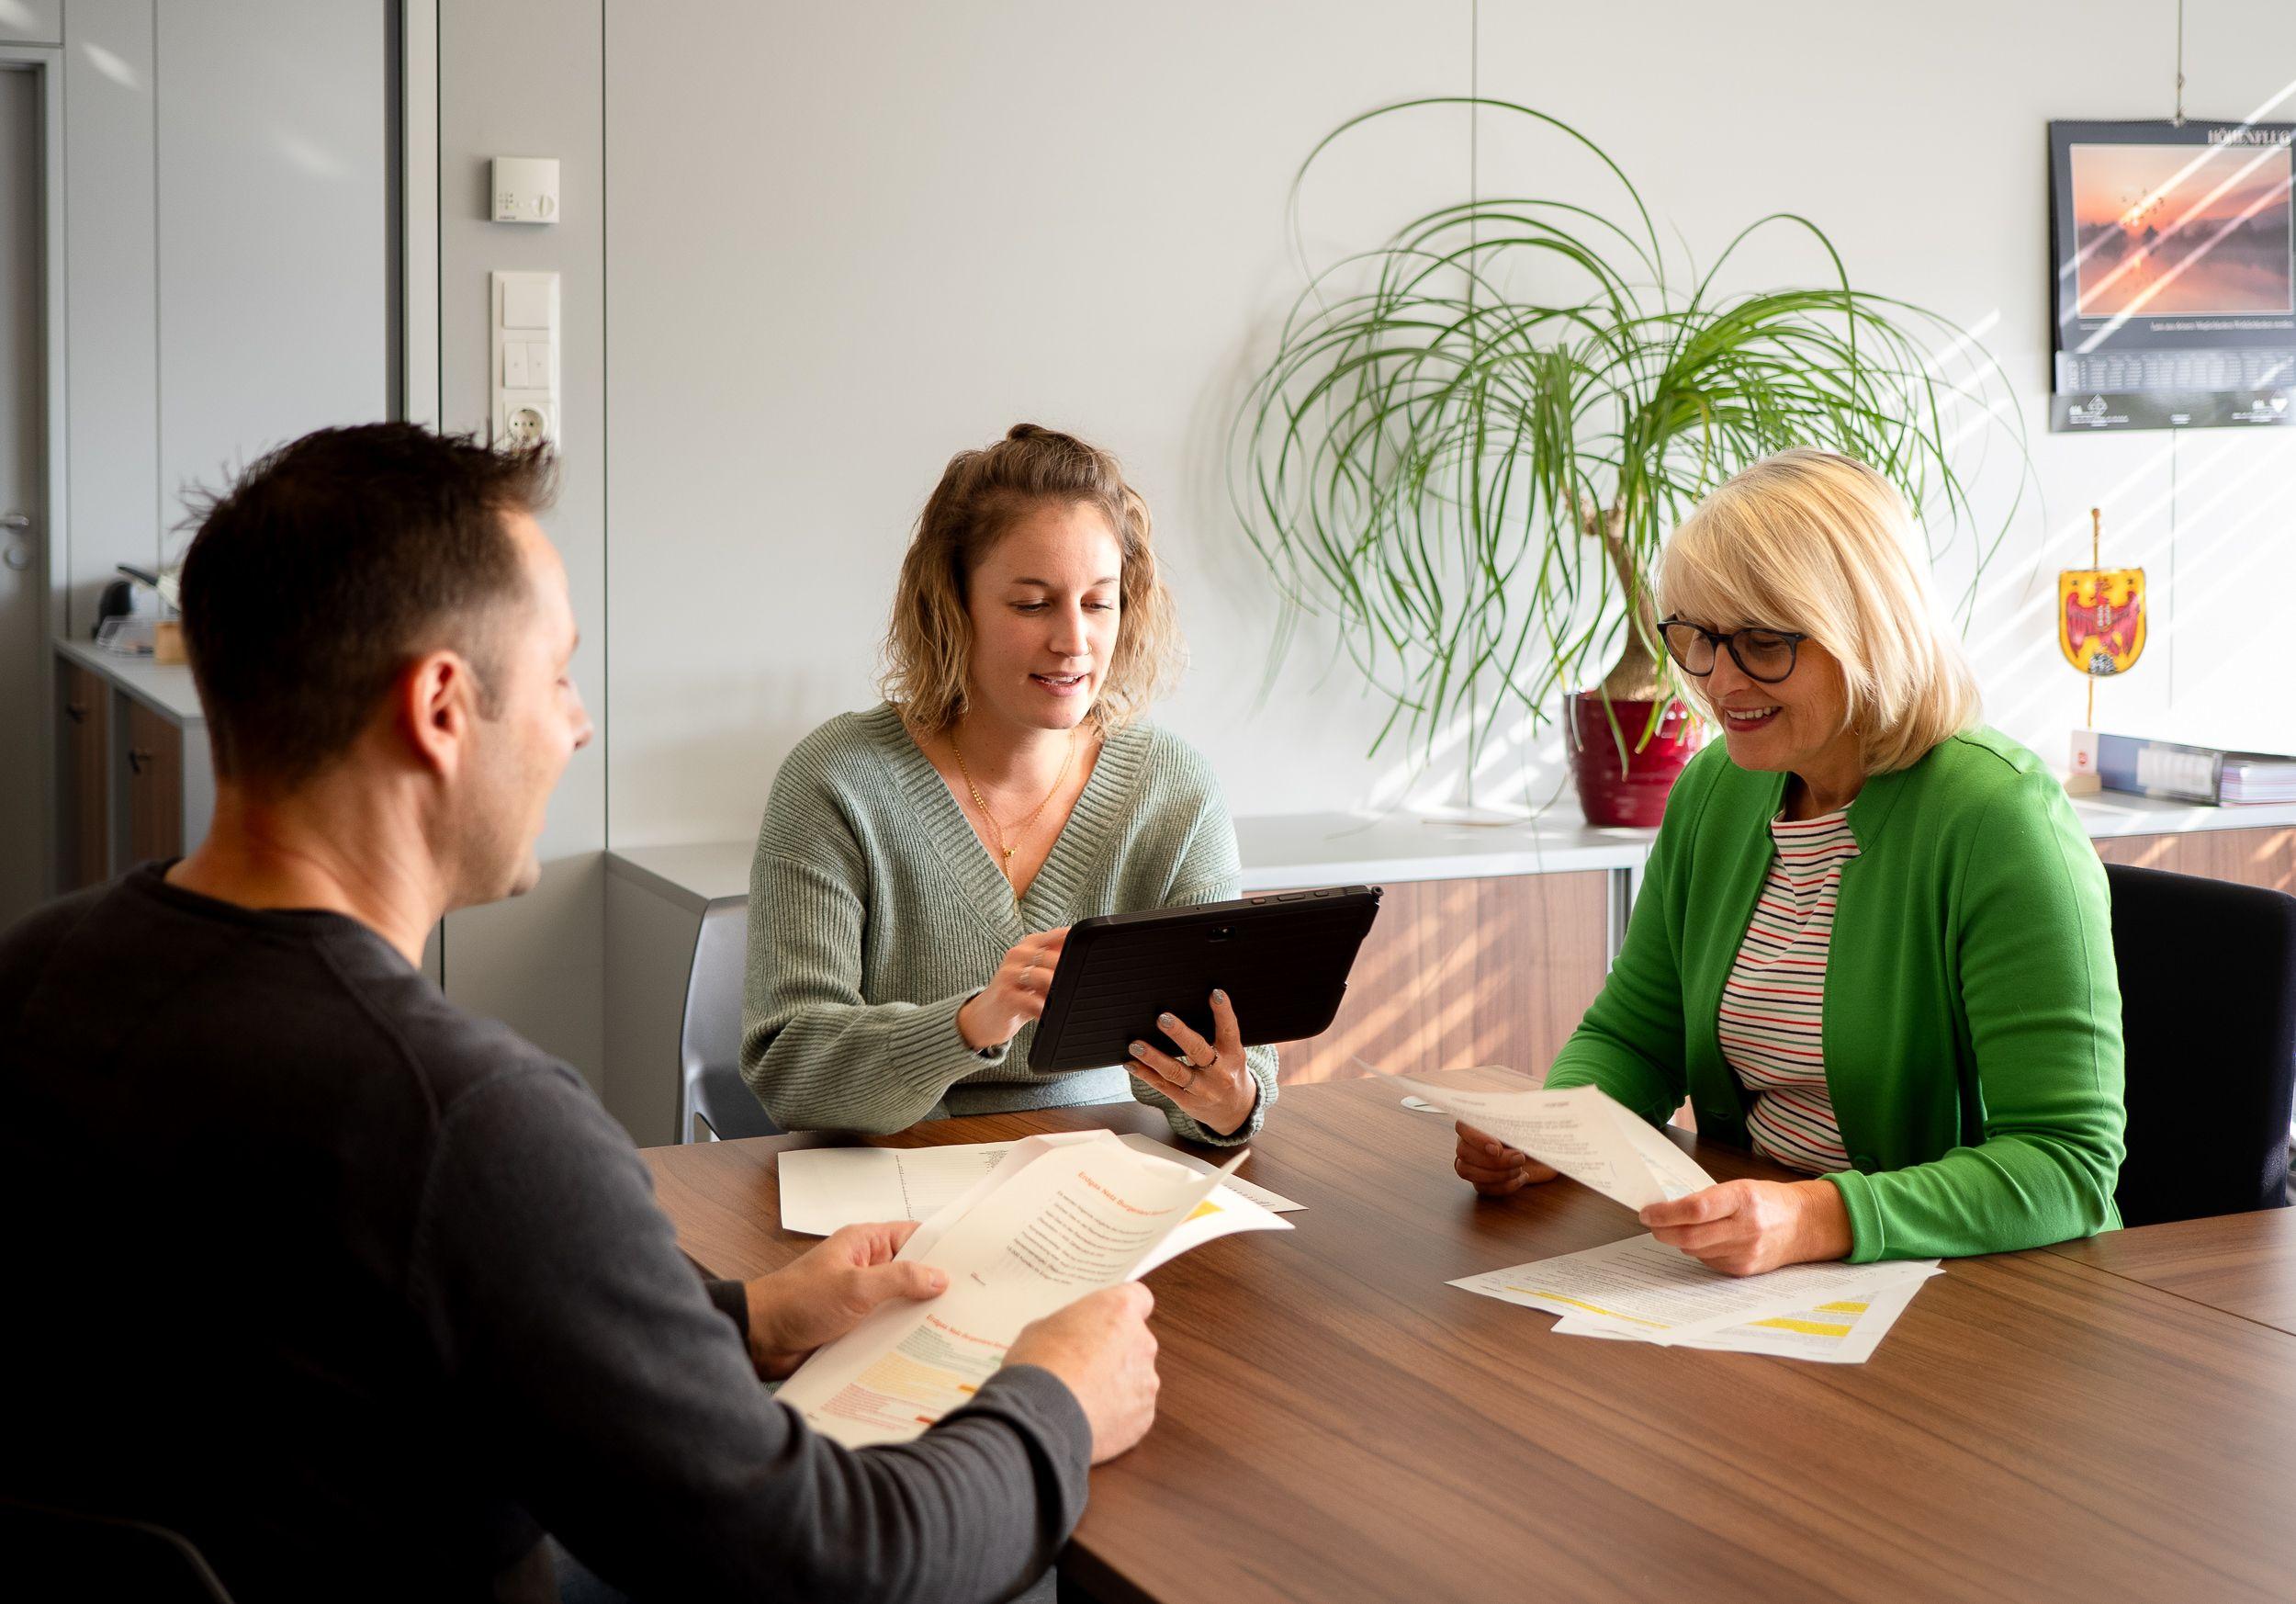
<point>1970,1023</point>
<point>919,864</point>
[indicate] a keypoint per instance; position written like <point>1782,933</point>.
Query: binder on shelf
<point>2192,774</point>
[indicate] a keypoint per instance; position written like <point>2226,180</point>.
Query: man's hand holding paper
<point>829,1288</point>
<point>1060,1217</point>
<point>1101,1348</point>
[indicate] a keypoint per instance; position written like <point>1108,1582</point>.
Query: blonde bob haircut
<point>929,647</point>
<point>1810,541</point>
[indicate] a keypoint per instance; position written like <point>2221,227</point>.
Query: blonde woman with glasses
<point>919,864</point>
<point>1873,941</point>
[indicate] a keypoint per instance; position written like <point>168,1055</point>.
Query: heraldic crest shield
<point>2100,618</point>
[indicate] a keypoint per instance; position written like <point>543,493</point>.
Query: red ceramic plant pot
<point>1632,792</point>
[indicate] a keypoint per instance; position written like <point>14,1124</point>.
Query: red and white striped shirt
<point>1774,1004</point>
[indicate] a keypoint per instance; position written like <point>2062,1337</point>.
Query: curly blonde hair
<point>928,645</point>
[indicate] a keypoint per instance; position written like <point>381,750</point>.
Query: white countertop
<point>1343,849</point>
<point>1328,849</point>
<point>167,688</point>
<point>1279,854</point>
<point>2112,813</point>
<point>693,875</point>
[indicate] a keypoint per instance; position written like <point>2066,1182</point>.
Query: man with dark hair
<point>363,1294</point>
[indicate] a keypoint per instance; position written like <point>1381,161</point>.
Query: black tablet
<point>1282,959</point>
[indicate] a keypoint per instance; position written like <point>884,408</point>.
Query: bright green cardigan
<point>1972,1015</point>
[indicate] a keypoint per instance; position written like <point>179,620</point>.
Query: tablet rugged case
<point>1282,959</point>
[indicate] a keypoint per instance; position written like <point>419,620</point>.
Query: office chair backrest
<point>2208,997</point>
<point>709,1037</point>
<point>58,1554</point>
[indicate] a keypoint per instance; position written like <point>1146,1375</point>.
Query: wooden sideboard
<point>132,772</point>
<point>2265,856</point>
<point>1488,945</point>
<point>1491,970</point>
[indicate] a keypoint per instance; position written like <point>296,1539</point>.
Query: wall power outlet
<point>523,350</point>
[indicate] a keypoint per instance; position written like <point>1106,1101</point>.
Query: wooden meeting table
<point>1337,1424</point>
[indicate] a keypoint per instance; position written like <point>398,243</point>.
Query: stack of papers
<point>1641,1290</point>
<point>1057,1217</point>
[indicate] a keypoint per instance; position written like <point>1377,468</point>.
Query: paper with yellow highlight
<point>1840,1331</point>
<point>1059,1216</point>
<point>1639,1290</point>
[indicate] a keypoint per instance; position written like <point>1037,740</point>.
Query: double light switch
<point>525,356</point>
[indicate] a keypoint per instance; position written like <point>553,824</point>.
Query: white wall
<point>1917,139</point>
<point>111,305</point>
<point>522,79</point>
<point>847,242</point>
<point>271,214</point>
<point>225,220</point>
<point>844,242</point>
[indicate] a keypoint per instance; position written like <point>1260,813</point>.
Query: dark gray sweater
<point>363,1294</point>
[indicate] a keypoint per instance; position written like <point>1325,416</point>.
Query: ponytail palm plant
<point>1471,441</point>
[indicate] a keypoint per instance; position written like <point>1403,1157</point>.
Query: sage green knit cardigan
<point>875,914</point>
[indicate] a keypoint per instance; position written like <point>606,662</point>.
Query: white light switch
<point>523,358</point>
<point>526,299</point>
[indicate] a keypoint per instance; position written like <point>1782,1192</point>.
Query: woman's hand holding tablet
<point>1279,960</point>
<point>1209,1080</point>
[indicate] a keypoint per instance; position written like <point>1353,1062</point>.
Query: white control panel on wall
<point>525,335</point>
<point>525,190</point>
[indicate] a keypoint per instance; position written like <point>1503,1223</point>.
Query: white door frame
<point>418,215</point>
<point>419,334</point>
<point>46,64</point>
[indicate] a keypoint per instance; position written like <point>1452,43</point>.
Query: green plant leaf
<point>1422,458</point>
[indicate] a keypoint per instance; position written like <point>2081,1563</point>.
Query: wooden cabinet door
<point>85,815</point>
<point>1459,972</point>
<point>2264,855</point>
<point>154,757</point>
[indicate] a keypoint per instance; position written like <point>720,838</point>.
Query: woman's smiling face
<point>1045,605</point>
<point>1799,725</point>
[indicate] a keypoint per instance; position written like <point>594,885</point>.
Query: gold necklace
<point>997,829</point>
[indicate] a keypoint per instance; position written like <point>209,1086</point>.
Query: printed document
<point>1581,1131</point>
<point>824,1189</point>
<point>1642,1288</point>
<point>1842,1330</point>
<point>1058,1217</point>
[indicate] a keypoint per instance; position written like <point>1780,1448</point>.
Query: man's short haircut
<point>332,563</point>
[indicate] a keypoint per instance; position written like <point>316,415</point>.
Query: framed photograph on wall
<point>2172,275</point>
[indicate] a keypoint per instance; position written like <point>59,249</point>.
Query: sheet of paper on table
<point>824,1189</point>
<point>1059,1216</point>
<point>1582,1132</point>
<point>1643,1290</point>
<point>1842,1330</point>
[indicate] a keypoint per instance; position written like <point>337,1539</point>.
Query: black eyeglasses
<point>1766,655</point>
